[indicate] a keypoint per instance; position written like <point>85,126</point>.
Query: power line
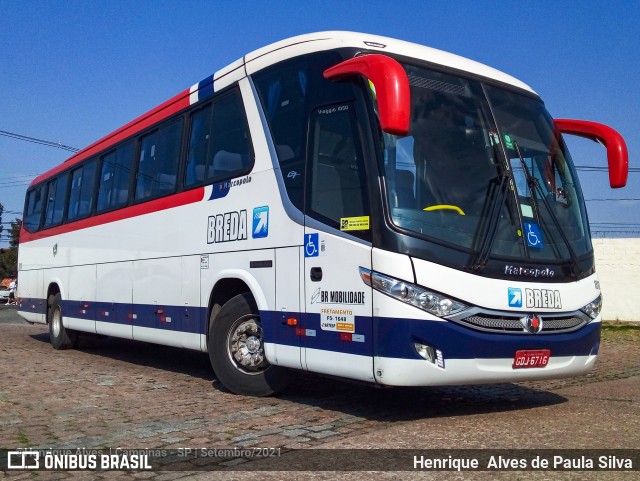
<point>602,168</point>
<point>609,200</point>
<point>34,140</point>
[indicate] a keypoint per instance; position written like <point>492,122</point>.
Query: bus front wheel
<point>236,350</point>
<point>60,337</point>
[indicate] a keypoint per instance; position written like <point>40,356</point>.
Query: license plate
<point>526,359</point>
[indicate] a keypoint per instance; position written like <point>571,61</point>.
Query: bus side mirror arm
<point>617,154</point>
<point>391,84</point>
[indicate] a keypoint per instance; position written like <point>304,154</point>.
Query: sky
<point>72,71</point>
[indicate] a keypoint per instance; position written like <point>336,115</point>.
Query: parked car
<point>4,295</point>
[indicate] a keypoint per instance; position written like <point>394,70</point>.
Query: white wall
<point>618,266</point>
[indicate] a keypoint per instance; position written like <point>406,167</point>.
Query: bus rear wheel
<point>60,337</point>
<point>236,350</point>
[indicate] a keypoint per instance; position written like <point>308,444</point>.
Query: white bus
<point>336,202</point>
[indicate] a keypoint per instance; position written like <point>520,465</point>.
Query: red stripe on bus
<point>157,205</point>
<point>162,111</point>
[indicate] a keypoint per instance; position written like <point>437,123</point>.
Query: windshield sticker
<point>508,142</point>
<point>333,110</point>
<point>533,235</point>
<point>354,223</point>
<point>338,320</point>
<point>527,211</point>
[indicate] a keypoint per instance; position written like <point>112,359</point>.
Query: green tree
<point>14,232</point>
<point>9,256</point>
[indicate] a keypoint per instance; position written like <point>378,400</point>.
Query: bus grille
<point>497,323</point>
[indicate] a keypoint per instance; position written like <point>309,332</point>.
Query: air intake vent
<point>431,84</point>
<point>551,324</point>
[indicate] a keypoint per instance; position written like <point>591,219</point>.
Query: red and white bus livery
<point>339,203</point>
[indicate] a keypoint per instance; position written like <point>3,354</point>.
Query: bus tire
<point>60,337</point>
<point>236,350</point>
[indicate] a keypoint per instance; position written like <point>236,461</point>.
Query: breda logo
<point>545,298</point>
<point>227,227</point>
<point>534,298</point>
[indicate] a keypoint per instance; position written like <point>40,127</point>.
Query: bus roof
<point>276,52</point>
<point>339,39</point>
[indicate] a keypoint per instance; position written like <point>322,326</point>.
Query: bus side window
<point>56,192</point>
<point>230,152</point>
<point>199,140</point>
<point>337,182</point>
<point>113,190</point>
<point>284,96</point>
<point>82,180</point>
<point>158,162</point>
<point>33,209</point>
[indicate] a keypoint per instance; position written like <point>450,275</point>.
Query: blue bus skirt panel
<point>396,337</point>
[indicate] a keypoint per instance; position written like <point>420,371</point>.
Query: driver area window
<point>336,184</point>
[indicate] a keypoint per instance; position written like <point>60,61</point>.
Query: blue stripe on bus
<point>378,336</point>
<point>394,338</point>
<point>205,88</point>
<point>171,318</point>
<point>220,190</point>
<point>32,305</point>
<point>276,330</point>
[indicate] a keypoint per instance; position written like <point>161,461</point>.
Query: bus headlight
<point>593,308</point>
<point>430,301</point>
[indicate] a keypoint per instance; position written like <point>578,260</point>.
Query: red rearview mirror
<point>391,84</point>
<point>617,154</point>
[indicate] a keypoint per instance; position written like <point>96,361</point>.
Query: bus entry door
<point>337,333</point>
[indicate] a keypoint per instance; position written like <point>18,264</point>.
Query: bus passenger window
<point>82,180</point>
<point>113,190</point>
<point>56,192</point>
<point>33,209</point>
<point>230,153</point>
<point>195,172</point>
<point>158,163</point>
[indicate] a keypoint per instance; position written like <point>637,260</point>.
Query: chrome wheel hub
<point>245,346</point>
<point>56,320</point>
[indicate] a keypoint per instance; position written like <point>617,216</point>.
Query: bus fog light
<point>427,352</point>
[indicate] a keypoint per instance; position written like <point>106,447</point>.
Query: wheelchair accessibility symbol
<point>533,235</point>
<point>311,245</point>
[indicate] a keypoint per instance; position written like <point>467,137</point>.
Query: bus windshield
<point>482,169</point>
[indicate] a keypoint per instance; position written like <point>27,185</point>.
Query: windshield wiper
<point>490,233</point>
<point>534,186</point>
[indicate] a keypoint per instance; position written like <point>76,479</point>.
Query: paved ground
<point>116,393</point>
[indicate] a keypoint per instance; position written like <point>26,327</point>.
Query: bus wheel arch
<point>224,290</point>
<point>236,345</point>
<point>60,337</point>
